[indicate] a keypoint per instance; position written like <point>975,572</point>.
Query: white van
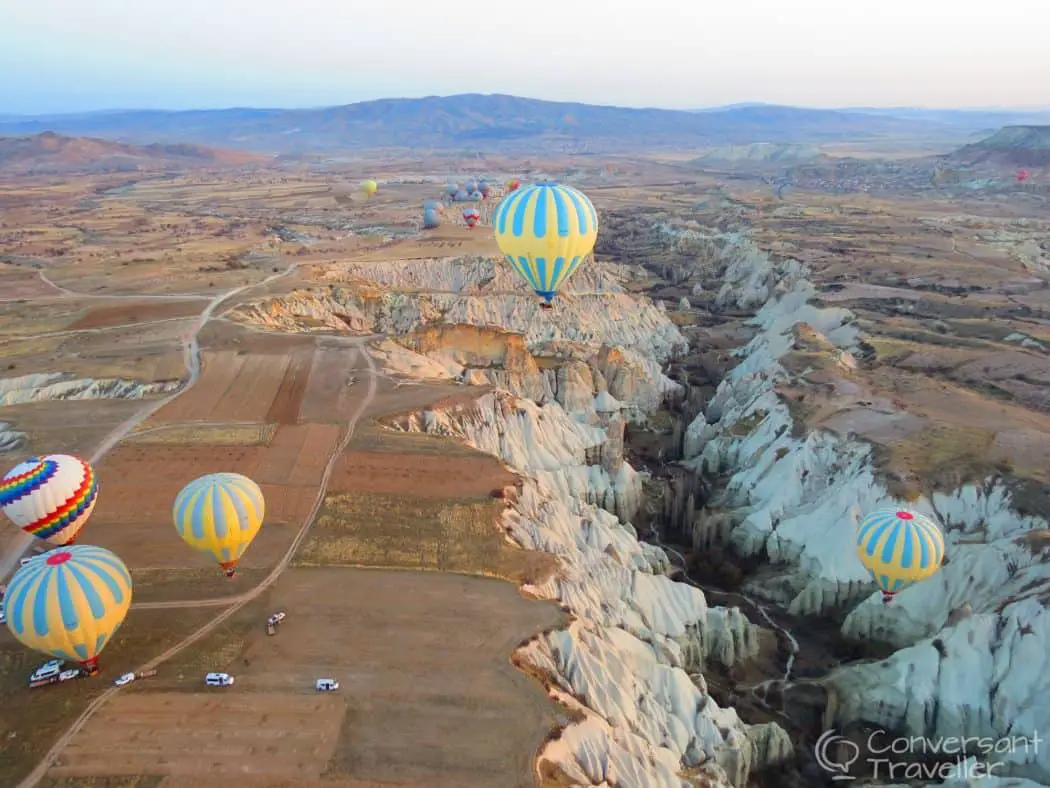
<point>48,670</point>
<point>327,685</point>
<point>218,680</point>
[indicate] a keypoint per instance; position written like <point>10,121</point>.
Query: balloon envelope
<point>513,185</point>
<point>470,186</point>
<point>462,196</point>
<point>431,218</point>
<point>899,547</point>
<point>484,188</point>
<point>369,187</point>
<point>545,231</point>
<point>451,189</point>
<point>50,497</point>
<point>68,603</point>
<point>220,514</point>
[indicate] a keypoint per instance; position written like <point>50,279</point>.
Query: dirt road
<point>41,769</point>
<point>192,355</point>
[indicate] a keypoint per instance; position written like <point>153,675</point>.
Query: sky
<point>80,55</point>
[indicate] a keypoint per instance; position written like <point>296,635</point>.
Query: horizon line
<point>8,116</point>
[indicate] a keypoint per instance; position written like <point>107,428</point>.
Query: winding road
<point>231,604</point>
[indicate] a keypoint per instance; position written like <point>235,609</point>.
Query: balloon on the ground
<point>472,216</point>
<point>900,548</point>
<point>369,187</point>
<point>220,514</point>
<point>50,497</point>
<point>431,218</point>
<point>462,195</point>
<point>69,603</point>
<point>545,231</point>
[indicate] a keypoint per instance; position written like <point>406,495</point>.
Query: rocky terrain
<point>967,646</point>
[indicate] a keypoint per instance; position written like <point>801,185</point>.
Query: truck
<point>53,672</point>
<point>273,621</point>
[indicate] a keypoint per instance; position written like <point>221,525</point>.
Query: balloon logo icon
<point>837,763</point>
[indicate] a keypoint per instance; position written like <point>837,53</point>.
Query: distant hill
<point>52,153</point>
<point>1014,146</point>
<point>474,122</point>
<point>761,153</point>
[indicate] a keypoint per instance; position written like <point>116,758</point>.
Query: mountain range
<point>501,123</point>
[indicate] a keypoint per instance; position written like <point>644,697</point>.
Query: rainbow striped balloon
<point>899,548</point>
<point>69,602</point>
<point>545,231</point>
<point>50,497</point>
<point>220,514</point>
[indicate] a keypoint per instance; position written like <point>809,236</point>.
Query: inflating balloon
<point>369,188</point>
<point>545,231</point>
<point>50,497</point>
<point>220,514</point>
<point>899,548</point>
<point>68,603</point>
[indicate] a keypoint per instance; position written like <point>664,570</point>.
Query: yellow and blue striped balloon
<point>545,231</point>
<point>220,514</point>
<point>899,548</point>
<point>69,602</point>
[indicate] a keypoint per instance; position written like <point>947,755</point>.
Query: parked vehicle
<point>219,680</point>
<point>127,678</point>
<point>273,621</point>
<point>53,673</point>
<point>327,685</point>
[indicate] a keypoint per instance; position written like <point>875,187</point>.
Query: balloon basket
<point>545,305</point>
<point>231,572</point>
<point>887,598</point>
<point>89,668</point>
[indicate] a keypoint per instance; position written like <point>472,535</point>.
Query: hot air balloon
<point>484,189</point>
<point>369,188</point>
<point>471,216</point>
<point>513,185</point>
<point>1022,175</point>
<point>462,195</point>
<point>470,186</point>
<point>476,196</point>
<point>431,219</point>
<point>220,514</point>
<point>431,205</point>
<point>69,603</point>
<point>50,497</point>
<point>545,231</point>
<point>451,189</point>
<point>899,548</point>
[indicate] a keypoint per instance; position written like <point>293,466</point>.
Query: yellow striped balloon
<point>545,231</point>
<point>220,514</point>
<point>69,602</point>
<point>900,548</point>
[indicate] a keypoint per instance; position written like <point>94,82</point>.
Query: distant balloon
<point>471,216</point>
<point>484,188</point>
<point>50,497</point>
<point>476,196</point>
<point>220,514</point>
<point>369,188</point>
<point>1022,175</point>
<point>69,603</point>
<point>545,231</point>
<point>431,218</point>
<point>900,548</point>
<point>432,205</point>
<point>462,196</point>
<point>513,185</point>
<point>470,186</point>
<point>451,189</point>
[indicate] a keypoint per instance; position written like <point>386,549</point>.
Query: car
<point>327,685</point>
<point>277,618</point>
<point>219,680</point>
<point>127,678</point>
<point>47,670</point>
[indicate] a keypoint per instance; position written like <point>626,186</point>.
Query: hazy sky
<point>68,55</point>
